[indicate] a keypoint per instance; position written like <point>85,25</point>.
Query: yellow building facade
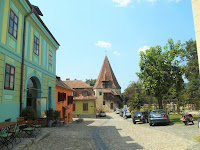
<point>84,101</point>
<point>196,16</point>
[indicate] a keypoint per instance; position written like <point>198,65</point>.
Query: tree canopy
<point>135,95</point>
<point>91,82</point>
<point>192,68</point>
<point>160,70</point>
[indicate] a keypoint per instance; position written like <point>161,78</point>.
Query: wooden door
<point>111,105</point>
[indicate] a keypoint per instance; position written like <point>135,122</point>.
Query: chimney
<point>67,79</point>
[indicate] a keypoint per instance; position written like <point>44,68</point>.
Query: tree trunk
<point>160,102</point>
<point>178,108</point>
<point>177,104</point>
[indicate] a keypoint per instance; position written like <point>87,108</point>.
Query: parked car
<point>127,114</point>
<point>102,114</point>
<point>141,116</point>
<point>158,116</point>
<point>117,111</point>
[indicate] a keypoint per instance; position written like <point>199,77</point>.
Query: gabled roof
<point>37,10</point>
<point>60,83</point>
<point>81,97</point>
<point>106,74</point>
<point>77,84</point>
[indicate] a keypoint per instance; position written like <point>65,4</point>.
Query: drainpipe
<point>22,64</point>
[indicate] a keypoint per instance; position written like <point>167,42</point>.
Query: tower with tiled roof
<point>107,89</point>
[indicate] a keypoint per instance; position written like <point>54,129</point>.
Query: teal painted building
<point>39,47</point>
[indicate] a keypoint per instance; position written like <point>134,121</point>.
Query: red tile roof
<point>77,84</point>
<point>110,91</point>
<point>81,97</point>
<point>60,83</point>
<point>106,74</point>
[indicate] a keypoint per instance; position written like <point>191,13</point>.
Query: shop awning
<point>65,107</point>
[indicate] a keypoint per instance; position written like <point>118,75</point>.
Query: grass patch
<point>176,118</point>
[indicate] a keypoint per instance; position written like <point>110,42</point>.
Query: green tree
<point>191,69</point>
<point>91,82</point>
<point>160,69</point>
<point>135,95</point>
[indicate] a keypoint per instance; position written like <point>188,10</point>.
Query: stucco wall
<point>196,16</point>
<point>99,101</point>
<point>79,107</point>
<point>9,99</point>
<point>35,66</point>
<point>59,105</point>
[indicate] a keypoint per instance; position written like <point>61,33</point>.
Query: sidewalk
<point>27,142</point>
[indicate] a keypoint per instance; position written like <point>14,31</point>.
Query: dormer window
<point>85,93</point>
<point>106,84</point>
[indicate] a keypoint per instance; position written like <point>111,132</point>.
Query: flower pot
<point>50,123</point>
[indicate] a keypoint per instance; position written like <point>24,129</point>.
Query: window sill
<point>11,36</point>
<point>35,54</point>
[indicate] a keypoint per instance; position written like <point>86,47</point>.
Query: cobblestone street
<point>116,133</point>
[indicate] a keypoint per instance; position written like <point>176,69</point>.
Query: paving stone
<point>117,133</point>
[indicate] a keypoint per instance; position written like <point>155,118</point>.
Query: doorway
<point>68,117</point>
<point>64,113</point>
<point>32,94</point>
<point>111,106</point>
<point>49,97</point>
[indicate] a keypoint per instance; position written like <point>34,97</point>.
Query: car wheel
<point>134,122</point>
<point>150,124</point>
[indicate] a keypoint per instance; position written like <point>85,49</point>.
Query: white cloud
<point>122,3</point>
<point>143,49</point>
<point>104,44</point>
<point>116,53</point>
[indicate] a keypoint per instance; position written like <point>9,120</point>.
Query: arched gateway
<point>33,92</point>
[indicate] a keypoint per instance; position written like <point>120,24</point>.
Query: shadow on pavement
<point>114,141</point>
<point>107,117</point>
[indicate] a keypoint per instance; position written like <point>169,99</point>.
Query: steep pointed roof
<point>106,74</point>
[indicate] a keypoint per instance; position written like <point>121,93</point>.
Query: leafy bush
<point>135,110</point>
<point>50,114</point>
<point>29,113</point>
<point>57,114</point>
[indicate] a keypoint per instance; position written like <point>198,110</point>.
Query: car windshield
<point>157,111</point>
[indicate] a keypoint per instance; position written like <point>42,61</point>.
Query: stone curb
<point>28,142</point>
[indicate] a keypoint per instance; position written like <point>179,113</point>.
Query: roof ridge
<point>106,74</point>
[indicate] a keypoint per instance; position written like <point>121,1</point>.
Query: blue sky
<point>86,29</point>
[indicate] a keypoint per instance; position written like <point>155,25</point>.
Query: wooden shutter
<point>85,106</point>
<point>58,96</point>
<point>64,96</point>
<point>74,107</point>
